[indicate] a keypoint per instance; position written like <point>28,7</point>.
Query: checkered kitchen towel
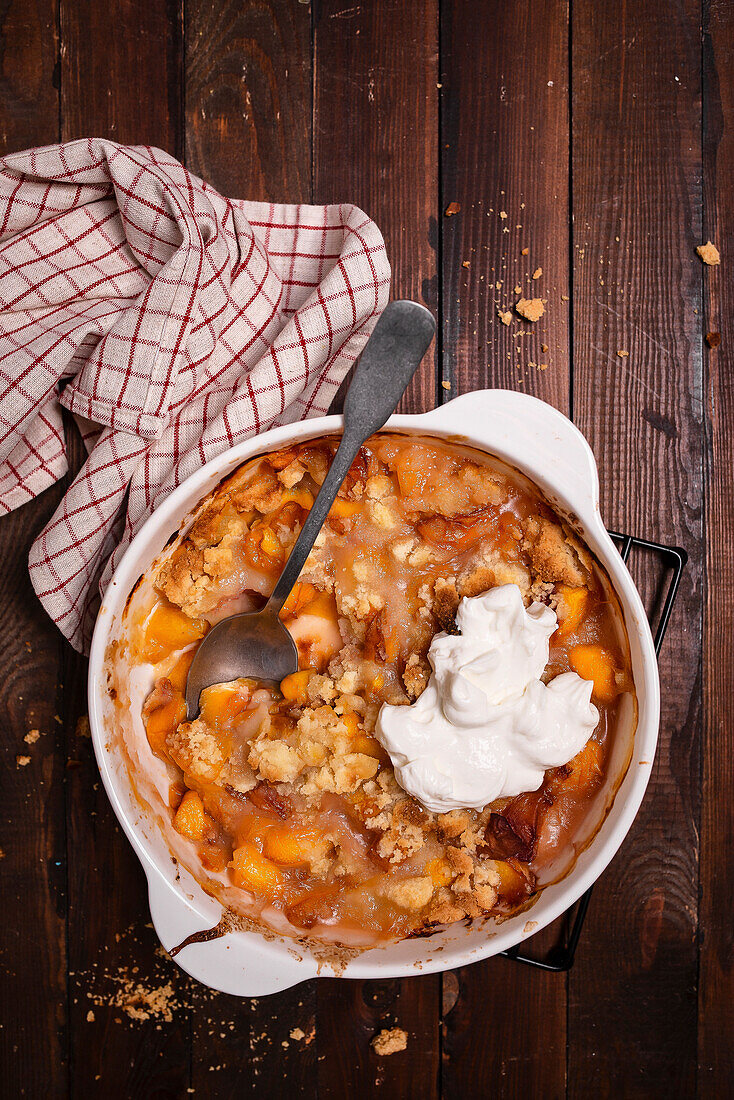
<point>172,322</point>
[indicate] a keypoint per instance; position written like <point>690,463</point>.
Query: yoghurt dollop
<point>486,726</point>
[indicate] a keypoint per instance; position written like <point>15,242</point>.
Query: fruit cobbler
<point>285,794</point>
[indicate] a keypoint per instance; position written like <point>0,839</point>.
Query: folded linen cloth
<point>172,322</point>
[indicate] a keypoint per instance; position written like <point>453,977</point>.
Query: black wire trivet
<point>673,558</point>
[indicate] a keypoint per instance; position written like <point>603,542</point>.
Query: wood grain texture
<point>121,71</point>
<point>248,132</point>
<point>33,948</point>
<point>29,96</point>
<point>376,137</point>
<point>248,97</point>
<point>637,288</point>
<point>505,152</point>
<point>716,982</point>
<point>376,145</point>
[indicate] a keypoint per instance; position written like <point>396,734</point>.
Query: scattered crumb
<point>2,853</point>
<point>503,214</point>
<point>452,208</point>
<point>82,726</point>
<point>90,1017</point>
<point>543,347</point>
<point>505,316</point>
<point>31,737</point>
<point>524,251</point>
<point>713,339</point>
<point>564,297</point>
<point>389,1041</point>
<point>446,385</point>
<point>531,309</point>
<point>542,366</point>
<point>297,1033</point>
<point>465,263</point>
<point>21,761</point>
<point>709,253</point>
<point>623,354</point>
<point>141,1003</point>
<point>530,926</point>
<point>517,288</point>
<point>538,272</point>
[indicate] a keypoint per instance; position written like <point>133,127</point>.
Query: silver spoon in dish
<point>256,644</point>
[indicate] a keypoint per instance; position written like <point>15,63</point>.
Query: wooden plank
<point>29,96</point>
<point>636,204</point>
<point>125,86</point>
<point>33,1005</point>
<point>505,152</point>
<point>248,97</point>
<point>504,136</point>
<point>248,132</point>
<point>376,138</point>
<point>121,72</point>
<point>375,144</point>
<point>716,981</point>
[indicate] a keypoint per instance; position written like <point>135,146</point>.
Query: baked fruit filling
<point>286,793</point>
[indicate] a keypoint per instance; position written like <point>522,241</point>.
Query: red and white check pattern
<point>172,322</point>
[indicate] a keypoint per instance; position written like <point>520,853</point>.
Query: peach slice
<point>169,629</point>
<point>571,609</point>
<point>593,662</point>
<point>190,820</point>
<point>251,870</point>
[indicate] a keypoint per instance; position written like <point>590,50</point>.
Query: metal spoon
<point>256,644</point>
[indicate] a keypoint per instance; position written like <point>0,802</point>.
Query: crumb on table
<point>390,1040</point>
<point>709,253</point>
<point>532,309</point>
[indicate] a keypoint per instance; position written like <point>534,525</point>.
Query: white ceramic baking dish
<point>543,444</point>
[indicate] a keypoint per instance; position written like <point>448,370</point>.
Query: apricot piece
<point>287,846</point>
<point>169,629</point>
<point>571,609</point>
<point>351,721</point>
<point>343,509</point>
<point>222,703</point>
<point>299,596</point>
<point>190,820</point>
<point>439,871</point>
<point>513,885</point>
<point>593,662</point>
<point>293,687</point>
<point>302,497</point>
<point>251,870</point>
<point>324,606</point>
<point>415,468</point>
<point>270,544</point>
<point>367,745</point>
<point>180,670</point>
<point>586,768</point>
<point>164,720</point>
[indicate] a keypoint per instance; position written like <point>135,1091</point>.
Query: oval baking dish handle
<point>244,964</point>
<point>530,434</point>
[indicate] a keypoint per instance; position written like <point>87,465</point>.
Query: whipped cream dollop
<point>486,726</point>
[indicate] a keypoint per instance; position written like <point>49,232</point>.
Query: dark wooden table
<point>606,135</point>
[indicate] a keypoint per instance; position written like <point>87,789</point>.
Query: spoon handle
<point>388,362</point>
